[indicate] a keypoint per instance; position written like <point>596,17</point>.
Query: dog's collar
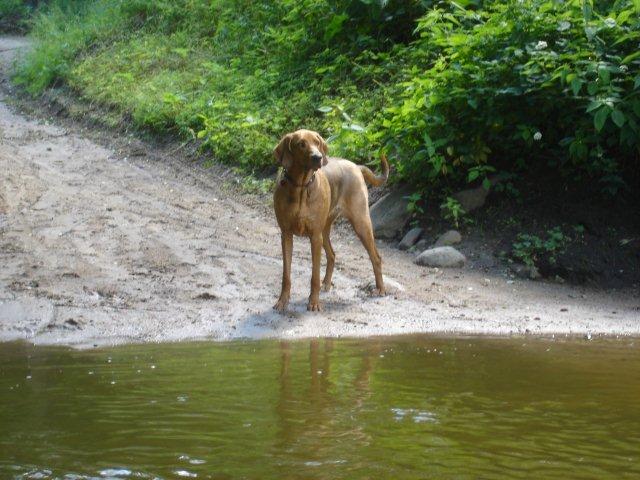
<point>287,178</point>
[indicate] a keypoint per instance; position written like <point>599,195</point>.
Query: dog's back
<point>349,181</point>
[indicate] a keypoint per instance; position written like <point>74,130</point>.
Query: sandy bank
<point>104,244</point>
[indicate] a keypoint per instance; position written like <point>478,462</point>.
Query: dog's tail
<point>373,179</point>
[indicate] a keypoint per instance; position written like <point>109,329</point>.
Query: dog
<point>312,191</point>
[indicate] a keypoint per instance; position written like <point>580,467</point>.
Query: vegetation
<point>14,15</point>
<point>531,249</point>
<point>453,211</point>
<point>453,91</point>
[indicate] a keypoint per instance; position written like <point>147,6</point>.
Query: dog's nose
<point>316,157</point>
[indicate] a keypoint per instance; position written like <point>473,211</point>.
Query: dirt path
<point>97,246</point>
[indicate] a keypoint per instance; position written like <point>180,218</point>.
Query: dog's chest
<point>301,219</point>
<point>302,222</point>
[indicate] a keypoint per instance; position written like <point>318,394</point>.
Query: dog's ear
<point>282,152</point>
<point>323,148</point>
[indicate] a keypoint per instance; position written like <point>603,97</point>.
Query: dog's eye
<point>302,144</point>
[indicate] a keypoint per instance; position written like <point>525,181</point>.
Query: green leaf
<point>576,85</point>
<point>486,183</point>
<point>596,104</point>
<point>604,75</point>
<point>618,117</point>
<point>592,88</point>
<point>636,83</point>
<point>586,10</point>
<point>631,57</point>
<point>600,118</point>
<point>334,26</point>
<point>356,128</point>
<point>624,16</point>
<point>473,174</point>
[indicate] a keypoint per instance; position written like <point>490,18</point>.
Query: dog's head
<point>305,149</point>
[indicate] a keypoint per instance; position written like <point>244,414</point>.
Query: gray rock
<point>525,271</point>
<point>389,215</point>
<point>471,199</point>
<point>474,198</point>
<point>441,257</point>
<point>392,286</point>
<point>448,238</point>
<point>486,260</point>
<point>410,238</point>
<point>421,245</point>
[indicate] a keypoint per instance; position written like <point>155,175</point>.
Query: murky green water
<point>408,408</point>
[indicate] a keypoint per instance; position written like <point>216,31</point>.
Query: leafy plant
<point>537,81</point>
<point>530,249</point>
<point>414,206</point>
<point>452,211</point>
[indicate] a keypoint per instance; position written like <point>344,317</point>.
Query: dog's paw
<point>326,286</point>
<point>378,292</point>
<point>314,306</point>
<point>281,305</point>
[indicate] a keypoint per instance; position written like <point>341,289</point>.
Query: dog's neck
<point>302,180</point>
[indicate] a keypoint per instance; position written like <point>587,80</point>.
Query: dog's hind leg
<point>363,228</point>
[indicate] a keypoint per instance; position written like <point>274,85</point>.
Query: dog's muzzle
<point>316,160</point>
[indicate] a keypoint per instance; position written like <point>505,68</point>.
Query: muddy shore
<point>101,244</point>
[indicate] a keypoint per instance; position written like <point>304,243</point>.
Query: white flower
<point>623,68</point>
<point>541,45</point>
<point>537,136</point>
<point>610,22</point>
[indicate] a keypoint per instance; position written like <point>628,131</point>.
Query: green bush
<point>453,91</point>
<point>531,249</point>
<point>521,85</point>
<point>14,15</point>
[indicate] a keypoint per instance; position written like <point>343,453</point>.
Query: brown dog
<point>312,191</point>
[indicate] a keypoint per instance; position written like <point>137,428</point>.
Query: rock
<point>205,296</point>
<point>410,238</point>
<point>441,257</point>
<point>474,198</point>
<point>72,322</point>
<point>525,271</point>
<point>534,274</point>
<point>471,199</point>
<point>392,286</point>
<point>389,215</point>
<point>421,245</point>
<point>448,238</point>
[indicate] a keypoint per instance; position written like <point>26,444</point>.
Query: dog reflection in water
<point>312,393</point>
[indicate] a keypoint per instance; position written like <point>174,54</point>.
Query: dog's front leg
<point>316,254</point>
<point>287,250</point>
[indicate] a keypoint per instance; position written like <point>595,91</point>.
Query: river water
<point>414,407</point>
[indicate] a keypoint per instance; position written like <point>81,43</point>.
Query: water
<point>403,408</point>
